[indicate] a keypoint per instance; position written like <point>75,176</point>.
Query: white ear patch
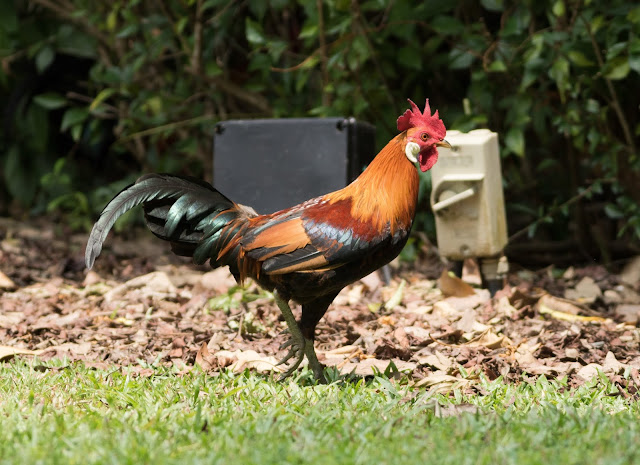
<point>411,151</point>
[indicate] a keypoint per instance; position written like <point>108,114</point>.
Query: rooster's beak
<point>443,143</point>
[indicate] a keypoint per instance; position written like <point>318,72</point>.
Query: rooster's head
<point>425,132</point>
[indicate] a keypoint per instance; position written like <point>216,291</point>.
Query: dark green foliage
<point>116,87</point>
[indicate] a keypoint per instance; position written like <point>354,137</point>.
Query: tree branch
<point>196,55</point>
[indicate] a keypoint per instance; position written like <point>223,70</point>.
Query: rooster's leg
<point>297,341</point>
<point>314,363</point>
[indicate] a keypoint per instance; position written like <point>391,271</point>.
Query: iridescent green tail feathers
<point>195,218</point>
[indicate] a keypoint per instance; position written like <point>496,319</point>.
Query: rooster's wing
<point>315,236</point>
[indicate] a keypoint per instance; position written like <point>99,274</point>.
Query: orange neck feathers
<point>387,191</point>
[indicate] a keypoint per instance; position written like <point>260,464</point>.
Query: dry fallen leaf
<point>469,324</point>
<point>504,308</point>
<point>419,335</point>
<point>9,352</point>
<point>10,319</point>
<point>155,284</point>
<point>445,310</point>
<point>560,305</point>
<point>372,281</point>
<point>544,308</point>
<point>219,280</point>
<point>631,272</point>
<point>6,283</point>
<point>440,382</point>
<point>586,291</point>
<point>438,360</point>
<point>589,371</point>
<point>523,355</point>
<point>204,359</point>
<point>91,278</point>
<point>490,340</point>
<point>471,272</point>
<point>341,352</point>
<point>628,313</point>
<point>247,359</point>
<point>612,365</point>
<point>73,348</point>
<point>538,368</point>
<point>452,286</point>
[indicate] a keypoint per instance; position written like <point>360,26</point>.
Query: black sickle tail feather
<point>197,219</point>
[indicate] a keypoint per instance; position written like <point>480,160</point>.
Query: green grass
<point>84,416</point>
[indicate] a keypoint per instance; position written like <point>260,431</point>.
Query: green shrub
<point>138,86</point>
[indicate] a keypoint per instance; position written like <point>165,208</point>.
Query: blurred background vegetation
<point>93,93</point>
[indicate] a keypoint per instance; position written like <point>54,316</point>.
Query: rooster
<point>307,253</point>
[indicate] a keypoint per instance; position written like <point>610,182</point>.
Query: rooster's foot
<point>296,352</point>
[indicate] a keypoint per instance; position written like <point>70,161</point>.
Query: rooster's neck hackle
<point>386,193</point>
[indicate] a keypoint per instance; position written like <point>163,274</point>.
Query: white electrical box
<point>467,198</point>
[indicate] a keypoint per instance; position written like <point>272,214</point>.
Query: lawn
<point>69,413</point>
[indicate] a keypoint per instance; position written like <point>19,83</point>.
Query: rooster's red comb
<point>414,118</point>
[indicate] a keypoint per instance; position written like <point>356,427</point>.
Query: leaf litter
<point>142,306</point>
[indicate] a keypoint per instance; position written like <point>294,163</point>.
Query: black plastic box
<point>274,164</point>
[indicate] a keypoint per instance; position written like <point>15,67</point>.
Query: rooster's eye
<point>424,136</point>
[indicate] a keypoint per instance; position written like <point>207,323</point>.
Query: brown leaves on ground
<point>141,304</point>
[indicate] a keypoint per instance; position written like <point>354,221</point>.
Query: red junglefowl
<point>306,253</point>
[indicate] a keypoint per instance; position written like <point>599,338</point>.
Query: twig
<point>486,55</point>
<point>196,56</point>
<point>298,66</point>
<point>6,60</point>
<point>356,353</point>
<point>166,127</point>
<point>86,99</point>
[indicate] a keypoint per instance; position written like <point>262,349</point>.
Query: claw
<point>296,349</point>
<point>292,352</point>
<point>291,369</point>
<point>284,331</point>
